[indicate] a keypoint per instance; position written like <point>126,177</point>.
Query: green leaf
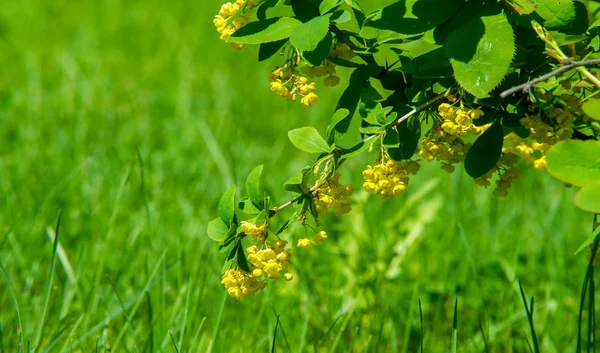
<point>588,198</point>
<point>485,152</point>
<point>227,206</point>
<point>316,57</point>
<point>242,262</point>
<point>481,52</point>
<point>254,187</point>
<point>413,16</point>
<point>337,117</point>
<point>351,97</point>
<point>434,64</point>
<point>356,149</point>
<point>308,139</point>
<point>590,239</point>
<point>261,13</point>
<point>248,207</point>
<point>522,7</point>
<point>217,229</point>
<point>307,36</point>
<point>270,30</point>
<point>391,139</point>
<point>267,50</point>
<point>294,183</point>
<point>409,133</point>
<point>556,13</point>
<point>328,5</point>
<point>575,162</point>
<point>304,10</point>
<point>341,16</point>
<point>591,108</point>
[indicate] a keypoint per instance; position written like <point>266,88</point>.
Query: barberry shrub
<point>492,85</point>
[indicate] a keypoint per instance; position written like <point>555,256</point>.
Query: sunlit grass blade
<point>42,321</point>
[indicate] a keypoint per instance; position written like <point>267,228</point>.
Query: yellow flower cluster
<point>226,25</point>
<point>317,239</point>
<point>332,194</point>
<point>508,176</point>
<point>444,143</point>
<point>265,263</point>
<point>543,135</point>
<point>241,284</point>
<point>389,178</point>
<point>257,232</point>
<point>326,69</point>
<point>286,83</point>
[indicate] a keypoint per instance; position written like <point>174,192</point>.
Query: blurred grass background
<point>133,118</point>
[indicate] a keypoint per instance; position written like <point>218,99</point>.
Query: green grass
<point>132,118</point>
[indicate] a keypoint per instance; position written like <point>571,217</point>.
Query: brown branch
<point>568,65</point>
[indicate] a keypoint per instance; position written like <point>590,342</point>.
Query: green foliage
<point>309,140</point>
<point>485,152</point>
<point>269,30</point>
<point>575,162</point>
<point>592,108</point>
<point>306,36</point>
<point>588,198</point>
<point>481,52</point>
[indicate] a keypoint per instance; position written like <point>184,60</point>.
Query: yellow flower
<point>320,237</point>
<point>305,243</point>
<point>310,99</point>
<point>288,276</point>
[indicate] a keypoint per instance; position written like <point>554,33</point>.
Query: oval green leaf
<point>307,139</point>
<point>306,36</point>
<point>217,229</point>
<point>485,152</point>
<point>480,52</point>
<point>254,187</point>
<point>270,30</point>
<point>588,198</point>
<point>555,13</point>
<point>227,206</point>
<point>575,162</point>
<point>591,108</point>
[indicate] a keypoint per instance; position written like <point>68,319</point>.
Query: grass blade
<point>529,310</point>
<point>275,335</point>
<point>455,328</point>
<point>14,298</point>
<point>421,320</point>
<point>174,343</point>
<point>38,338</point>
<point>139,301</point>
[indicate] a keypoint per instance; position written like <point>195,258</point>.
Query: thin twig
<point>568,65</point>
<point>422,107</point>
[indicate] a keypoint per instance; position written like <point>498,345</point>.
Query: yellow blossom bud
<point>257,272</point>
<point>288,276</point>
